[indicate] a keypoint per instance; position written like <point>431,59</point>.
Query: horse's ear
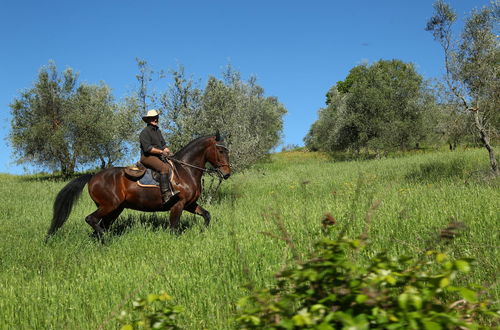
<point>217,136</point>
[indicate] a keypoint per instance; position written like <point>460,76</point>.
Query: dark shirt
<point>149,138</point>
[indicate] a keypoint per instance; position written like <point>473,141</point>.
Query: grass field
<point>73,282</point>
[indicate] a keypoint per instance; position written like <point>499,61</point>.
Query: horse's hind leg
<point>198,210</point>
<point>95,219</point>
<point>108,220</point>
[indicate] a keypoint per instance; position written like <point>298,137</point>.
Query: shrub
<point>153,312</point>
<point>330,291</point>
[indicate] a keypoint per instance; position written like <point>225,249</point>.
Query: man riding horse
<point>153,147</point>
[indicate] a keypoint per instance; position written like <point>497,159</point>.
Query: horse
<point>113,191</point>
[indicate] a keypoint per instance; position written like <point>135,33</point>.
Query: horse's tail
<point>65,200</point>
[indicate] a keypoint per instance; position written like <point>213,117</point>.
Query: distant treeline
<point>59,123</point>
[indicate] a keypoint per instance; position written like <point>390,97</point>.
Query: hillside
<point>74,282</point>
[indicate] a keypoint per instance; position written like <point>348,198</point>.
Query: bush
<point>153,312</point>
<point>330,291</point>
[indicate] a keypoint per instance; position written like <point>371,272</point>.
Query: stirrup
<point>168,195</point>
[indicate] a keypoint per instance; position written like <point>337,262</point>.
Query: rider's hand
<point>166,152</point>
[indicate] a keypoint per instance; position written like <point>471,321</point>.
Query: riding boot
<point>166,190</point>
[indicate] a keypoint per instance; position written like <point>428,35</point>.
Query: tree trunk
<point>67,169</point>
<point>486,141</point>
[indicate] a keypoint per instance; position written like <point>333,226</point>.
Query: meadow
<point>74,282</point>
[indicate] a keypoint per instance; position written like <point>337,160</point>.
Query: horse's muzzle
<point>226,176</point>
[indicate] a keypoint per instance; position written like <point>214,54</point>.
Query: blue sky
<point>296,49</point>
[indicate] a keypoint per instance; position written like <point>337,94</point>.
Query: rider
<point>153,146</point>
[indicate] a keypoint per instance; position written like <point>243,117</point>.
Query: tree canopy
<point>59,124</point>
<point>251,122</point>
<point>382,106</point>
<point>472,67</point>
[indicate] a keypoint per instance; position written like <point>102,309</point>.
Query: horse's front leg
<point>175,215</point>
<point>198,210</point>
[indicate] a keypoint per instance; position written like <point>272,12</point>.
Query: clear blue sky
<point>297,49</point>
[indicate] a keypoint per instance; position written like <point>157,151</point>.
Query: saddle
<point>144,176</point>
<point>136,171</point>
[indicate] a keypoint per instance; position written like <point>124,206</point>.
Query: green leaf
<point>416,301</point>
<point>391,280</point>
<point>325,326</point>
<point>286,323</point>
<point>403,300</point>
<point>355,243</point>
<point>462,266</point>
<point>429,325</point>
<point>440,257</point>
<point>302,318</point>
<point>361,298</point>
<point>178,309</point>
<point>127,327</point>
<point>469,295</point>
<point>254,319</point>
<point>317,307</point>
<point>448,265</point>
<point>444,282</point>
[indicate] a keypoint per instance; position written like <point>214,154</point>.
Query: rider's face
<point>154,121</point>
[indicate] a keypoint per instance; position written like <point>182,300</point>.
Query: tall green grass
<point>75,282</point>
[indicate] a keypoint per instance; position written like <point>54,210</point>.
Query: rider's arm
<point>147,144</point>
<point>155,151</point>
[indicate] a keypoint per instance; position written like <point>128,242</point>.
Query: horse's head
<point>218,156</point>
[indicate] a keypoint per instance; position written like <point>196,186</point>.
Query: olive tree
<point>472,67</point>
<point>251,122</point>
<point>59,124</point>
<point>379,107</point>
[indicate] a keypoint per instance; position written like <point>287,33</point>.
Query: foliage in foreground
<point>330,291</point>
<point>156,311</point>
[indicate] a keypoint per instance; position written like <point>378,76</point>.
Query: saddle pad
<point>147,180</point>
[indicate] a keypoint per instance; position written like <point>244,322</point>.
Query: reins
<point>190,165</point>
<point>209,171</point>
<point>205,170</point>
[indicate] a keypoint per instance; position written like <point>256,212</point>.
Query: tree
<point>39,121</point>
<point>143,78</point>
<point>380,107</point>
<point>58,124</point>
<point>323,133</point>
<point>472,66</point>
<point>102,127</point>
<point>181,103</point>
<point>251,122</point>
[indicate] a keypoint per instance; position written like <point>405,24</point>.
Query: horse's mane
<point>184,150</point>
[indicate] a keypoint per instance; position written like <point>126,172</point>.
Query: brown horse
<point>112,191</point>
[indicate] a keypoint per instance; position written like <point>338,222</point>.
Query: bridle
<point>215,169</point>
